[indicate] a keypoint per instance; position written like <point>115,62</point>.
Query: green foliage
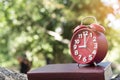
<point>40,27</point>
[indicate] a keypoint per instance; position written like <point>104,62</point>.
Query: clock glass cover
<point>84,46</point>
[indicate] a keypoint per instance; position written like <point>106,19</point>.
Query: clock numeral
<point>80,35</point>
<point>79,56</point>
<point>90,57</point>
<point>91,35</point>
<point>95,45</point>
<point>75,47</point>
<point>76,52</point>
<point>94,39</point>
<point>84,59</point>
<point>77,41</point>
<point>94,52</point>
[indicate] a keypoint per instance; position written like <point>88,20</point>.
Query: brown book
<point>72,72</point>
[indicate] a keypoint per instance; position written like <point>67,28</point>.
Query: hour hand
<point>84,46</point>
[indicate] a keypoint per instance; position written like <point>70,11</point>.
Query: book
<point>72,71</point>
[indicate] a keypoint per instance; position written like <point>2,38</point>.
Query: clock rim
<point>103,47</point>
<point>72,53</point>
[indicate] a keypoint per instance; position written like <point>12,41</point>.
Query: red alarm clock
<point>88,44</point>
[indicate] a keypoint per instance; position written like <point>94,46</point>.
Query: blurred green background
<point>42,29</point>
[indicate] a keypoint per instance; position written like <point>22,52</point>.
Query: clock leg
<point>95,64</point>
<point>92,64</point>
<point>79,65</point>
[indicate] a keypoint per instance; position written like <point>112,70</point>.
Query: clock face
<point>84,46</point>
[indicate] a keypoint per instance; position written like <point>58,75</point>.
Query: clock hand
<point>82,46</point>
<point>85,43</point>
<point>85,40</point>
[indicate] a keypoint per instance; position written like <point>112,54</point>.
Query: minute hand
<point>85,40</point>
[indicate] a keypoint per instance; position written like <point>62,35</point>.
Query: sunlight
<point>109,2</point>
<point>113,21</point>
<point>113,18</point>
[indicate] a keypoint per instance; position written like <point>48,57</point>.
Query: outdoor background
<point>42,29</point>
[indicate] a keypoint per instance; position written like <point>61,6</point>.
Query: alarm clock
<point>88,44</point>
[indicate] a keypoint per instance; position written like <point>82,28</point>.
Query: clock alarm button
<point>97,27</point>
